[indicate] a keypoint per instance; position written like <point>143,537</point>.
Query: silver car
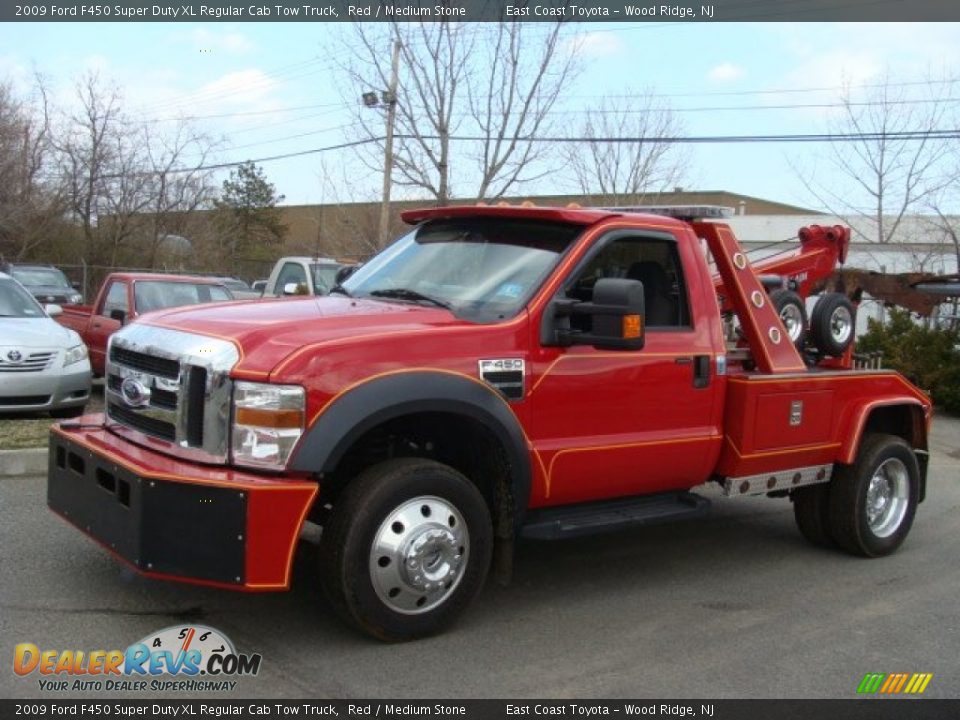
<point>43,365</point>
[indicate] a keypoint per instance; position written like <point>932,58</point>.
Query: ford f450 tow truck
<point>497,373</point>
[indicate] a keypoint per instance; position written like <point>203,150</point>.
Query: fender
<point>918,430</point>
<point>386,397</point>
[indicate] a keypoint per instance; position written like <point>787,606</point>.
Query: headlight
<point>75,354</point>
<point>267,422</point>
<point>75,299</point>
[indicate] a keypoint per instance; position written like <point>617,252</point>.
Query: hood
<point>38,332</point>
<point>268,331</point>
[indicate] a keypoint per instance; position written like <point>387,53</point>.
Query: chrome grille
<point>177,401</point>
<point>34,362</point>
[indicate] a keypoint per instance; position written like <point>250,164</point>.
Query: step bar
<point>612,515</point>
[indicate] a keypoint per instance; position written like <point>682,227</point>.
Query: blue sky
<point>255,72</point>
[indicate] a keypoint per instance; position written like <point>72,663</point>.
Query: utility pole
<point>390,98</point>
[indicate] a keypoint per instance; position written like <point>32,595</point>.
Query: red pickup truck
<point>125,296</point>
<point>497,373</point>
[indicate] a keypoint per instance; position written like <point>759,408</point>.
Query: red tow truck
<point>497,373</point>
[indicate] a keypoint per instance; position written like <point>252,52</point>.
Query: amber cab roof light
<point>680,212</point>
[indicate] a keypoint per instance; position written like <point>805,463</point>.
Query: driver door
<point>617,423</point>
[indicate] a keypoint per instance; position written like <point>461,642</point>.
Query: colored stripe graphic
<point>894,683</point>
<point>870,683</point>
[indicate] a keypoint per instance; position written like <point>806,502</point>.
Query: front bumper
<point>175,520</point>
<point>50,389</point>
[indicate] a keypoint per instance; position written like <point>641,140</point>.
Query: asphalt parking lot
<point>734,605</point>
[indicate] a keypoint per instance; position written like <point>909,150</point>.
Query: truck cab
<point>302,276</point>
<point>497,374</point>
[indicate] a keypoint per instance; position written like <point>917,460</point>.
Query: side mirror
<point>291,289</point>
<point>345,272</point>
<point>616,312</point>
<point>119,315</point>
<point>53,309</point>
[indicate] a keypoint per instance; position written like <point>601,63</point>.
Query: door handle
<point>701,371</point>
<point>683,360</point>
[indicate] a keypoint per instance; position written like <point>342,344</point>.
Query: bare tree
<point>91,167</point>
<point>890,175</point>
<point>624,172</point>
<point>130,186</point>
<point>179,186</point>
<point>497,81</point>
<point>31,206</point>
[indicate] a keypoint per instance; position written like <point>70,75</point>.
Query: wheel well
<point>904,421</point>
<point>461,442</point>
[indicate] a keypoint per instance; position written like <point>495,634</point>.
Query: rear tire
<point>811,510</point>
<point>792,312</point>
<point>833,324</point>
<point>406,547</point>
<point>66,413</point>
<point>873,502</point>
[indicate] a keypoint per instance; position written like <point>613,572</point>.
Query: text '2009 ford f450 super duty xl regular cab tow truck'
<point>497,373</point>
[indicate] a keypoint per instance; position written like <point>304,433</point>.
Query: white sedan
<point>43,366</point>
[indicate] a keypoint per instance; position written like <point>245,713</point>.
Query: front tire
<point>406,548</point>
<point>67,413</point>
<point>873,502</point>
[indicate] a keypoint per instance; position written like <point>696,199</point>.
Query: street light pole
<point>391,102</point>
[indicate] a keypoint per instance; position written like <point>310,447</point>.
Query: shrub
<point>929,357</point>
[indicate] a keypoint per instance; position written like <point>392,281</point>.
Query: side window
<point>655,263</point>
<point>292,273</point>
<point>116,298</point>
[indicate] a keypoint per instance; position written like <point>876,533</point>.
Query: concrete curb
<point>23,462</point>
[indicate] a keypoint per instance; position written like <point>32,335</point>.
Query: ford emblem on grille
<point>14,356</point>
<point>134,392</point>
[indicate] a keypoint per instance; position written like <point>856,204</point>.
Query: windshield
<point>17,302</point>
<point>40,276</point>
<point>158,294</point>
<point>482,269</point>
<point>324,277</point>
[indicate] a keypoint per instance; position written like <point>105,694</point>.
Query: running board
<point>611,515</point>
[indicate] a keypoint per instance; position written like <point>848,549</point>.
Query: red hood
<point>268,331</point>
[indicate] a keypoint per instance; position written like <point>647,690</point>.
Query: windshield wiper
<point>408,294</point>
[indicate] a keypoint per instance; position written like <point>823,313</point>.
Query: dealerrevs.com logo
<point>894,683</point>
<point>177,658</point>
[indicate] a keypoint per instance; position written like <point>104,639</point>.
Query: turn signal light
<point>269,418</point>
<point>632,326</point>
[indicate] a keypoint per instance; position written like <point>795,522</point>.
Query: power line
<point>716,139</point>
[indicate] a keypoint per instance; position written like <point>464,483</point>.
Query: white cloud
<point>597,44</point>
<point>725,72</point>
<point>229,42</point>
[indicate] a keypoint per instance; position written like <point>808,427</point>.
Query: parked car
<point>43,366</point>
<point>302,276</point>
<point>125,296</point>
<point>45,282</point>
<point>238,288</point>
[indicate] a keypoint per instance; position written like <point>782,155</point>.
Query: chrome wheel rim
<point>792,320</point>
<point>418,555</point>
<point>841,325</point>
<point>887,497</point>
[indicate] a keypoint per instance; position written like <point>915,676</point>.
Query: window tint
<point>291,273</point>
<point>116,298</point>
<point>653,262</point>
